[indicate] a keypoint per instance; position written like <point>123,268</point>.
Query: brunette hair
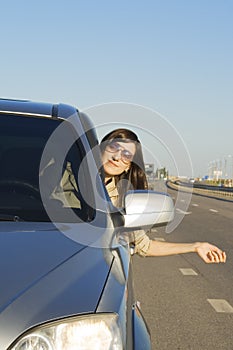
<point>136,177</point>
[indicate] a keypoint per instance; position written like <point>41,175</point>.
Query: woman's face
<point>117,157</point>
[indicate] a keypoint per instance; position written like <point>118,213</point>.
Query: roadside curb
<point>215,194</point>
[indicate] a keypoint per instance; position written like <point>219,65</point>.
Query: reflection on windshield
<point>22,141</point>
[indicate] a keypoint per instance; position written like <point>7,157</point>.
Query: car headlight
<point>99,332</point>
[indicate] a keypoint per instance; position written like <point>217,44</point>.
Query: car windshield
<point>22,142</point>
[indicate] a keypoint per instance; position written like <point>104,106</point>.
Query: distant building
<point>150,174</point>
<point>149,168</point>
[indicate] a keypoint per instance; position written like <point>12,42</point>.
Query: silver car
<point>65,270</point>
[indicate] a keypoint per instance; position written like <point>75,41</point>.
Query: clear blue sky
<point>171,56</point>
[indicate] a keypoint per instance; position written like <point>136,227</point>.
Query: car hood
<point>44,276</point>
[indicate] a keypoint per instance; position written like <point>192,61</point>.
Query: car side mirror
<point>147,208</point>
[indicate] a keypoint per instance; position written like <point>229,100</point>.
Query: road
<point>189,304</point>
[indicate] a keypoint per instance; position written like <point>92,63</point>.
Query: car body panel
<point>54,270</point>
<point>48,281</point>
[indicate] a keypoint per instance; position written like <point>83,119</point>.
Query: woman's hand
<point>207,252</point>
<point>210,253</point>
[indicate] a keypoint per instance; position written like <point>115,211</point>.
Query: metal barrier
<point>208,192</point>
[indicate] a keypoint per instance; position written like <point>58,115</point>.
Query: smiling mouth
<point>113,164</point>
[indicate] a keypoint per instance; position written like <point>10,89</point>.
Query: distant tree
<point>161,173</point>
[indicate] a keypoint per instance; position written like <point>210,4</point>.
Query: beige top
<point>138,238</point>
<point>112,191</point>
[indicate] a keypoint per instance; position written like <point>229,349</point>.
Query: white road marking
<point>183,212</point>
<point>188,272</point>
<point>159,239</point>
<point>153,230</point>
<point>220,305</point>
<point>213,210</point>
<point>195,205</point>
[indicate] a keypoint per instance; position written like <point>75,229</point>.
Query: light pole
<point>230,167</point>
<point>225,168</point>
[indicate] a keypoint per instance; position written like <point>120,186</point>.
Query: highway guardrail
<point>204,190</point>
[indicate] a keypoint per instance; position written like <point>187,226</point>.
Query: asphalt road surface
<point>189,304</point>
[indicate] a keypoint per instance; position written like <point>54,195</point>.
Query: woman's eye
<point>127,155</point>
<point>113,146</point>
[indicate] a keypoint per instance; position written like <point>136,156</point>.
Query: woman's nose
<point>116,155</point>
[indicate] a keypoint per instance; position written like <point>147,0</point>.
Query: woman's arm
<point>208,252</point>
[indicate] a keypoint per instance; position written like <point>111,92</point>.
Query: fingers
<point>216,256</point>
<point>210,253</point>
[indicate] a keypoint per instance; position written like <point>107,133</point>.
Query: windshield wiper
<point>7,217</point>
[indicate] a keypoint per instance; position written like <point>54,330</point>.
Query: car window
<point>22,142</point>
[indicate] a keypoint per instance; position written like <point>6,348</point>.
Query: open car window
<point>22,142</point>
